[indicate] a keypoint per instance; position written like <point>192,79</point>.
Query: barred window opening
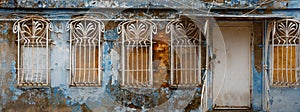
<point>136,53</point>
<point>85,51</point>
<point>285,53</point>
<point>185,53</point>
<point>160,60</point>
<point>33,51</point>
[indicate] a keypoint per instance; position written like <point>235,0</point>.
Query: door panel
<point>231,70</point>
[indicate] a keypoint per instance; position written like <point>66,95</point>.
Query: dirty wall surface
<point>111,96</point>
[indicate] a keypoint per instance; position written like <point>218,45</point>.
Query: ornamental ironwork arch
<point>33,64</point>
<point>283,55</point>
<point>85,51</point>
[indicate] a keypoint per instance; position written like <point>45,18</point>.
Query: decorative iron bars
<point>33,51</point>
<point>85,51</point>
<point>284,59</point>
<point>136,52</point>
<point>185,53</point>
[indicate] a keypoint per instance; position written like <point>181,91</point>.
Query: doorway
<point>232,65</point>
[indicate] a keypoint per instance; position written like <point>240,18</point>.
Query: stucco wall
<point>110,97</point>
<point>286,99</point>
<point>60,97</point>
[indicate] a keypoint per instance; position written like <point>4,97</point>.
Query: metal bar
<point>181,65</point>
<point>265,50</point>
<point>151,57</point>
<point>72,57</point>
<point>282,65</point>
<point>47,55</point>
<point>123,54</point>
<point>296,63</point>
<point>147,67</point>
<point>94,60</point>
<point>99,54</point>
<point>198,66</point>
<point>286,51</point>
<point>18,65</point>
<point>27,66</point>
<point>137,65</point>
<point>290,65</point>
<point>185,61</point>
<point>84,60</point>
<point>172,57</point>
<point>142,65</point>
<point>191,67</point>
<point>196,56</point>
<point>42,72</point>
<point>128,65</point>
<point>36,73</point>
<point>76,71</point>
<point>277,57</point>
<point>31,66</point>
<point>89,61</point>
<point>132,65</point>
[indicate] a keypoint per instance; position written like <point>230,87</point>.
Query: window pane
<point>86,65</point>
<point>33,51</point>
<point>34,65</point>
<point>136,52</point>
<point>284,64</point>
<point>185,53</point>
<point>137,68</point>
<point>186,65</point>
<point>161,63</point>
<point>85,49</point>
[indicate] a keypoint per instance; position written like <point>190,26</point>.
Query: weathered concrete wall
<point>286,99</point>
<point>60,97</point>
<point>257,72</point>
<point>110,97</point>
<point>197,4</point>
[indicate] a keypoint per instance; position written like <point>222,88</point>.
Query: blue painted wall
<point>286,99</point>
<point>59,96</point>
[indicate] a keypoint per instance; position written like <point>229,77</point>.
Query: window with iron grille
<point>85,51</point>
<point>185,51</point>
<point>33,51</point>
<point>284,54</point>
<point>149,60</point>
<point>136,52</point>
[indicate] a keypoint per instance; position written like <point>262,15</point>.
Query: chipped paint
<point>111,97</point>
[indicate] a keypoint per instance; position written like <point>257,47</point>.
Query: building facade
<point>155,55</point>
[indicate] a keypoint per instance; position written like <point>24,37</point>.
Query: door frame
<point>251,39</point>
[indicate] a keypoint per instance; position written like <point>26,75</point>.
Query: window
<point>85,51</point>
<point>149,60</point>
<point>136,53</point>
<point>284,53</point>
<point>185,53</point>
<point>33,51</point>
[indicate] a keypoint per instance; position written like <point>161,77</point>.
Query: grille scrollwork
<point>33,50</point>
<point>85,51</point>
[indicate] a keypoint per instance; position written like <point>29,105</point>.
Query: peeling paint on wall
<point>111,97</point>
